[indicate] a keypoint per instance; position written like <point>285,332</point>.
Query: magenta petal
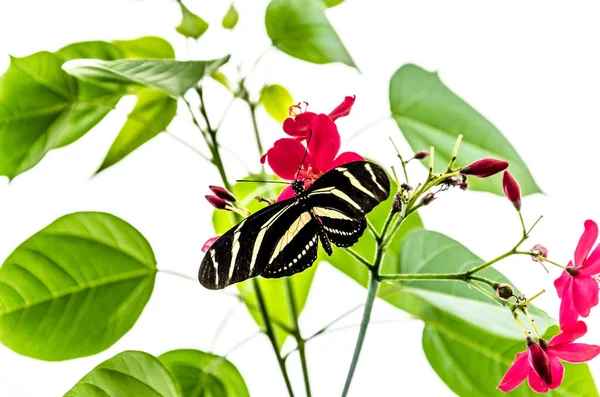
<point>536,383</point>
<point>343,108</point>
<point>575,352</point>
<point>568,314</point>
<point>299,125</point>
<point>561,282</point>
<point>558,372</point>
<point>569,335</point>
<point>324,142</point>
<point>285,158</point>
<point>210,242</point>
<point>345,158</point>
<point>286,193</point>
<point>585,294</point>
<point>587,240</point>
<point>591,266</point>
<point>516,374</point>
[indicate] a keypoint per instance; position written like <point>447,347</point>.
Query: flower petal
<point>343,108</point>
<point>587,240</point>
<point>591,266</point>
<point>286,193</point>
<point>575,352</point>
<point>569,335</point>
<point>536,383</point>
<point>516,374</point>
<point>345,158</point>
<point>585,294</point>
<point>324,142</point>
<point>558,372</point>
<point>561,282</point>
<point>285,158</point>
<point>210,242</point>
<point>568,314</point>
<point>299,125</point>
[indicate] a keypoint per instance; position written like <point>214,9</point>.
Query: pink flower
<point>298,126</point>
<point>541,365</point>
<point>285,157</point>
<point>576,287</point>
<point>484,167</point>
<point>210,242</point>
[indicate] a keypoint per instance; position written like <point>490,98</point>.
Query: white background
<point>530,67</point>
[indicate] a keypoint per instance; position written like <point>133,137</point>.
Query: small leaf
<point>300,29</point>
<point>75,287</point>
<point>150,116</point>
<point>274,290</point>
<point>231,18</point>
<point>429,114</point>
<point>173,77</point>
<point>200,374</point>
<point>191,24</point>
<point>472,362</point>
<point>128,374</point>
<point>332,3</point>
<point>277,101</point>
<point>220,78</point>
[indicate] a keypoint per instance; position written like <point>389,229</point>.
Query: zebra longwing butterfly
<point>282,239</point>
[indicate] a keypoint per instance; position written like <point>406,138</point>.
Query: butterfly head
<point>298,186</point>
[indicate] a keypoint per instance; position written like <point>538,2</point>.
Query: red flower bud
<point>210,242</point>
<point>485,167</point>
<point>421,154</point>
<point>539,361</point>
<point>217,202</point>
<point>222,193</point>
<point>539,250</point>
<point>512,189</point>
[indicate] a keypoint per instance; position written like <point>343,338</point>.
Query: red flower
<point>298,125</point>
<point>285,157</point>
<point>485,167</point>
<point>577,288</point>
<point>541,364</point>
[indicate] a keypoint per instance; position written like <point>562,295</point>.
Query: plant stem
<point>359,257</point>
<point>271,335</point>
<point>291,300</point>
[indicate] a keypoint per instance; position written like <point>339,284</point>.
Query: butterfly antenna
<point>305,152</point>
<point>259,181</point>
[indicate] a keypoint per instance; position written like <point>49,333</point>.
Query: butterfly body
<point>282,239</point>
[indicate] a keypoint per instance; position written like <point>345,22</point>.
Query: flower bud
<point>539,250</point>
<point>397,203</point>
<point>210,242</point>
<point>217,202</point>
<point>428,198</point>
<point>421,154</point>
<point>222,193</point>
<point>503,291</point>
<point>485,167</point>
<point>512,190</point>
<point>539,361</point>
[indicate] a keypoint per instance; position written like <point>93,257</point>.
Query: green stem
<point>423,276</point>
<point>490,263</point>
<point>255,126</point>
<point>359,257</point>
<point>291,300</point>
<point>271,335</point>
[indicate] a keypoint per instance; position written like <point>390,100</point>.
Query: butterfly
<point>282,239</point>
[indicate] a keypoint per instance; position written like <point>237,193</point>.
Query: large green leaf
<point>170,76</point>
<point>300,29</point>
<point>472,362</point>
<point>277,101</point>
<point>200,374</point>
<point>429,114</point>
<point>274,290</point>
<point>43,108</point>
<point>144,47</point>
<point>75,287</point>
<point>150,116</point>
<point>128,374</point>
<point>191,25</point>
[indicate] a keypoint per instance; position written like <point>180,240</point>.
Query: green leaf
<point>300,29</point>
<point>274,290</point>
<point>276,100</point>
<point>332,3</point>
<point>472,362</point>
<point>191,24</point>
<point>150,116</point>
<point>75,287</point>
<point>429,114</point>
<point>231,18</point>
<point>128,374</point>
<point>220,78</point>
<point>43,108</point>
<point>200,374</point>
<point>144,47</point>
<point>170,76</point>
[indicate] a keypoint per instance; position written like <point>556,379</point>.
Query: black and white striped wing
<point>343,196</point>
